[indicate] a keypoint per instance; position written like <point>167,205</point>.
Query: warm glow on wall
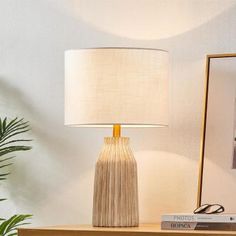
<point>145,19</point>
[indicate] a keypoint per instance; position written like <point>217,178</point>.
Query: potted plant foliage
<point>9,143</point>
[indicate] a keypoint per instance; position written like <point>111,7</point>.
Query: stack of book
<point>198,222</point>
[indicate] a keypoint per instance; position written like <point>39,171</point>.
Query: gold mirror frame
<point>204,123</point>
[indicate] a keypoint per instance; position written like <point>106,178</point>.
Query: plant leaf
<point>8,131</point>
<point>6,150</point>
<point>8,227</point>
<point>15,141</point>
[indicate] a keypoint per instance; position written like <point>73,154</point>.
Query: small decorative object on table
<point>107,87</point>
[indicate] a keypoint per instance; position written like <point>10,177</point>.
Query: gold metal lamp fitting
<point>116,130</point>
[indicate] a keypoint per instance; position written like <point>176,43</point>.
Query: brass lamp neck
<point>116,130</point>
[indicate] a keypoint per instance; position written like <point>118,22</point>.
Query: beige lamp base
<point>115,202</point>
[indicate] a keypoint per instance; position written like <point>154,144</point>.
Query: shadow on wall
<point>39,165</point>
<point>12,102</point>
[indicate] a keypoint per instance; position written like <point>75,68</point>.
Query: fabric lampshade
<point>106,86</point>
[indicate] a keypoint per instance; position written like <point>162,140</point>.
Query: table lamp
<point>116,87</point>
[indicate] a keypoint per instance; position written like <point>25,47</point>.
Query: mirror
<point>217,176</point>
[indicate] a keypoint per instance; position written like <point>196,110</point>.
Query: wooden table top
<point>85,230</point>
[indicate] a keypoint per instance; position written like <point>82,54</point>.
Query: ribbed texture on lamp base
<point>115,202</point>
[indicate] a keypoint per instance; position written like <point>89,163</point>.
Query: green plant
<point>9,144</point>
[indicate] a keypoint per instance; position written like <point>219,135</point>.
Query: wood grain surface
<point>142,230</point>
<point>115,201</point>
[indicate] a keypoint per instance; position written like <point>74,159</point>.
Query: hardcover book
<point>229,218</point>
<point>166,225</point>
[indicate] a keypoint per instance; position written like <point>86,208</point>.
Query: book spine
<point>167,225</point>
<point>199,218</point>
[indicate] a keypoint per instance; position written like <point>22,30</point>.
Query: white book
<point>182,217</point>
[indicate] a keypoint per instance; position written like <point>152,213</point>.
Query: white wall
<point>54,181</point>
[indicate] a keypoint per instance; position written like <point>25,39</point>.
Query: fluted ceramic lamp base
<point>115,202</point>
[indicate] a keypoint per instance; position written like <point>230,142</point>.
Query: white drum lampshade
<point>109,86</point>
<point>116,87</point>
